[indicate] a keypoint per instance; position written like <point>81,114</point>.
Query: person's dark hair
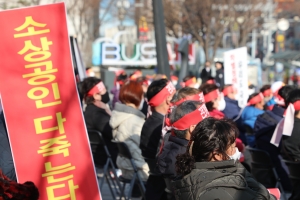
<point>207,88</point>
<point>184,92</point>
<point>180,111</point>
<point>264,88</point>
<point>87,85</point>
<point>122,77</point>
<point>293,97</point>
<point>284,92</point>
<point>222,65</point>
<point>131,92</point>
<point>252,96</point>
<point>210,137</point>
<point>155,87</point>
<point>188,78</point>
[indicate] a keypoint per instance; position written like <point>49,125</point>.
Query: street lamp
<point>123,6</point>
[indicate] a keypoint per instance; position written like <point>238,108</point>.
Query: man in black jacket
<point>159,96</point>
<point>152,129</point>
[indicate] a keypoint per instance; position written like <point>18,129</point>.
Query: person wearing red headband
<point>97,116</point>
<point>159,95</point>
<point>268,97</point>
<point>183,121</point>
<point>189,81</point>
<point>291,140</point>
<point>213,100</point>
<point>182,95</point>
<point>290,146</point>
<point>264,128</point>
<point>135,75</point>
<point>254,108</point>
<point>232,108</point>
<point>210,167</point>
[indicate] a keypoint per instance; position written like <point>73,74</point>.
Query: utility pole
<point>160,38</point>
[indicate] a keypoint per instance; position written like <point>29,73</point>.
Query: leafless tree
<point>208,20</point>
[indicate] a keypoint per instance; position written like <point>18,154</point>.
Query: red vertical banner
<point>43,115</point>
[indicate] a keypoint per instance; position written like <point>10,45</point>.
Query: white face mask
<point>141,104</point>
<point>236,156</point>
<point>222,104</point>
<point>196,86</point>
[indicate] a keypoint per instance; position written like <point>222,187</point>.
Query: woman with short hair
<point>127,121</point>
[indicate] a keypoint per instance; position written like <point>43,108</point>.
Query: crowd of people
<point>197,136</point>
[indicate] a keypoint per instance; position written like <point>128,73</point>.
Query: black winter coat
<point>167,158</point>
<point>223,180</point>
<point>291,145</point>
<point>97,119</point>
<point>151,135</point>
<point>205,75</point>
<point>220,77</point>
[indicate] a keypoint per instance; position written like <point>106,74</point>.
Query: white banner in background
<point>235,72</point>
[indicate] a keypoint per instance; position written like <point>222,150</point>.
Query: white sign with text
<point>235,72</point>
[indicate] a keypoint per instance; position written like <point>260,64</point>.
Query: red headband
<point>137,74</point>
<point>96,89</point>
<point>192,118</point>
<point>195,97</point>
<point>229,89</point>
<point>211,95</point>
<point>258,98</point>
<point>211,81</point>
<point>188,82</point>
<point>162,95</point>
<point>297,105</point>
<point>267,93</point>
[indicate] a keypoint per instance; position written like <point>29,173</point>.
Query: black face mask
<point>105,98</point>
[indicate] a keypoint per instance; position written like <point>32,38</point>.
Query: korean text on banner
<point>44,119</point>
<point>235,72</point>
